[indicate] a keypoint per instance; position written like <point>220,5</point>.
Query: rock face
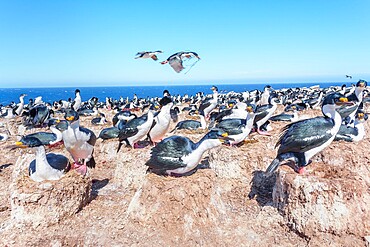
<point>48,202</point>
<point>333,198</point>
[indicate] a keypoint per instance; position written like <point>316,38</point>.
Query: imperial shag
<point>353,134</point>
<point>79,142</point>
<point>46,166</point>
<point>238,129</point>
<point>301,140</point>
<point>209,104</point>
<point>264,112</point>
<point>135,129</point>
<point>178,155</point>
<point>148,54</point>
<point>176,60</point>
<point>161,121</point>
<point>191,124</point>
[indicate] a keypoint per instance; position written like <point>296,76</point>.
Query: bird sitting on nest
<point>46,166</point>
<point>179,156</point>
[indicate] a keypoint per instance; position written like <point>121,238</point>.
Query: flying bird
<point>176,60</point>
<point>349,76</point>
<point>148,54</point>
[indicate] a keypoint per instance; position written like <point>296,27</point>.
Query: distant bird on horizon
<point>148,54</point>
<point>349,76</point>
<point>176,60</point>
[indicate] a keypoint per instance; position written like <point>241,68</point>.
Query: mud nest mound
<point>45,203</point>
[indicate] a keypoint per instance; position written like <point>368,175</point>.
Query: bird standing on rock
<point>301,140</point>
<point>79,142</point>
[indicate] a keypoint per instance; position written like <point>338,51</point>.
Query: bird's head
<point>336,99</point>
<point>251,108</point>
<point>28,141</point>
<point>361,83</point>
<point>71,115</point>
<point>219,134</point>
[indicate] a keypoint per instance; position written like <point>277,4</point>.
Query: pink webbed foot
<point>80,168</point>
<point>301,170</point>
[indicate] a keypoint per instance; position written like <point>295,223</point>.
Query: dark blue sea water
<point>7,95</point>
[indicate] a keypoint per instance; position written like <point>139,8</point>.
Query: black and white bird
<point>207,105</point>
<point>301,140</point>
<point>135,130</point>
<point>238,129</point>
<point>50,139</point>
<point>148,54</point>
<point>264,112</point>
<point>190,124</point>
<point>176,60</point>
<point>99,120</point>
<point>123,116</point>
<point>46,166</point>
<point>265,95</point>
<point>76,104</point>
<point>353,134</point>
<point>109,133</point>
<point>348,113</point>
<point>178,155</point>
<point>79,142</point>
<point>20,106</point>
<point>162,120</point>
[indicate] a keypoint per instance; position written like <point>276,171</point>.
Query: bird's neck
<point>329,111</point>
<point>358,93</point>
<point>40,155</point>
<point>203,123</point>
<point>56,132</point>
<point>250,119</point>
<point>205,144</point>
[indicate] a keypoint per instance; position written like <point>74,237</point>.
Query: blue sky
<point>87,43</point>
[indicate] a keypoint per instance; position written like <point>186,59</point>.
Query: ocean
<point>7,95</point>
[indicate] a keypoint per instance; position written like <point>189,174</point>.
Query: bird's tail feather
<point>119,146</point>
<point>273,166</point>
<point>91,163</point>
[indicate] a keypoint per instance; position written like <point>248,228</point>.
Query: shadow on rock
<point>96,186</point>
<point>261,188</point>
<point>2,167</point>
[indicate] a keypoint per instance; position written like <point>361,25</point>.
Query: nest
<point>48,202</point>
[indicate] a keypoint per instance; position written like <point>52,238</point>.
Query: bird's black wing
<point>261,112</point>
<point>347,110</point>
<point>57,161</point>
<point>109,133</point>
<point>92,136</point>
<point>176,64</point>
<point>223,114</point>
<point>232,126</point>
<point>44,137</point>
<point>130,129</point>
<point>347,130</point>
<point>206,103</point>
<point>167,154</point>
<point>304,135</point>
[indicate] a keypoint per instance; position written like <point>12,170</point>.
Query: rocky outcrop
<point>45,203</point>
